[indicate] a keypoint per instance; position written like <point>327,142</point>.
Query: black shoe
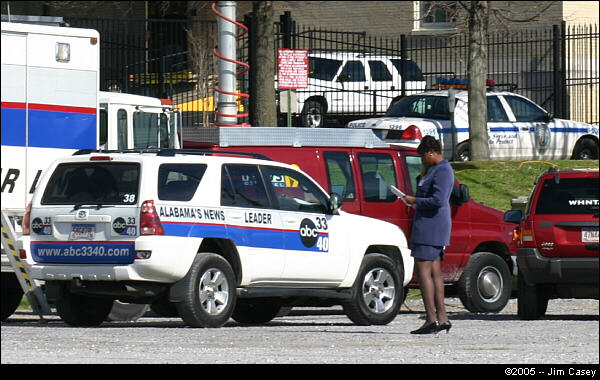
<point>432,328</point>
<point>446,326</point>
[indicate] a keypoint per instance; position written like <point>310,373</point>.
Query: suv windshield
<point>424,106</point>
<point>568,196</point>
<point>93,183</point>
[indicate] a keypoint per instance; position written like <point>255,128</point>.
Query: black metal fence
<point>556,67</point>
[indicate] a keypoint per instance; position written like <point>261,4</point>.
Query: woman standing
<point>431,232</point>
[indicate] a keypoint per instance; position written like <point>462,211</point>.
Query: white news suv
<point>209,236</point>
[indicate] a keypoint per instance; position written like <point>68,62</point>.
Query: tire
<point>485,285</point>
<point>463,152</point>
<point>122,311</point>
<point>532,303</point>
<point>313,114</point>
<point>255,310</point>
<point>11,294</point>
<point>83,311</point>
<point>585,149</point>
<point>377,293</point>
<point>210,292</point>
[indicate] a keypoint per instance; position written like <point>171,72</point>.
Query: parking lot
<point>568,334</point>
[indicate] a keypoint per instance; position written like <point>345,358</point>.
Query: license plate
<point>589,235</point>
<point>83,232</point>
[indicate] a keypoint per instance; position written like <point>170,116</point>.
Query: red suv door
<point>565,220</point>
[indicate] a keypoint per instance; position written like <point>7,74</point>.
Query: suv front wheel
<point>210,296</point>
<point>377,292</point>
<point>485,285</point>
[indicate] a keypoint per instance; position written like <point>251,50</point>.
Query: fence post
<point>559,58</point>
<point>286,29</point>
<point>403,54</point>
<point>250,22</point>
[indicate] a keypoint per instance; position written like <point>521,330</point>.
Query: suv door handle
<point>525,129</point>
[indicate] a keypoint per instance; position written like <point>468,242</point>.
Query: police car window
<point>101,183</point>
<point>431,107</point>
<point>378,173</point>
<point>379,72</point>
<point>322,68</point>
<point>524,110</point>
<point>353,71</point>
<point>247,187</point>
<point>495,110</point>
<point>294,192</point>
<point>178,182</point>
<point>413,72</point>
<point>568,196</point>
<point>339,175</point>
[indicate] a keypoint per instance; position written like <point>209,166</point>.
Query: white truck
<point>52,107</point>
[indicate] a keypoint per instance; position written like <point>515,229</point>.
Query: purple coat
<point>433,221</point>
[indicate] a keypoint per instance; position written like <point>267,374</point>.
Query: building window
<point>436,14</point>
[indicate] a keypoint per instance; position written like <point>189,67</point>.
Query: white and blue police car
<point>518,129</point>
<point>210,235</point>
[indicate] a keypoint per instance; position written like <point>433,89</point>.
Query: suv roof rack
<point>170,152</point>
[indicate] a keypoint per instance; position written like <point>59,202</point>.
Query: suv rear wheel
<point>485,284</point>
<point>377,292</point>
<point>209,292</point>
<point>83,311</point>
<point>532,302</point>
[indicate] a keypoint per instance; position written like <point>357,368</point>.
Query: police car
<point>518,129</point>
<point>214,234</point>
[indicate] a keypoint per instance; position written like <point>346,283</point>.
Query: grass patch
<point>495,183</point>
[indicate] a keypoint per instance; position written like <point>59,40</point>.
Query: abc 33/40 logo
<point>308,233</point>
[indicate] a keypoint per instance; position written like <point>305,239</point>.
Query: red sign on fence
<point>292,68</point>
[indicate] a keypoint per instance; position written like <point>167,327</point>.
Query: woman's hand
<point>411,200</point>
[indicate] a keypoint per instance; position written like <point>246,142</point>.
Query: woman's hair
<point>429,143</point>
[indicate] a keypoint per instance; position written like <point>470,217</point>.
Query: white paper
<point>399,193</point>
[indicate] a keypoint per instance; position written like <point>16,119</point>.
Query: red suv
<point>557,254</point>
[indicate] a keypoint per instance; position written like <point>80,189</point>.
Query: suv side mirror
<point>335,202</point>
<point>549,117</point>
<point>513,216</point>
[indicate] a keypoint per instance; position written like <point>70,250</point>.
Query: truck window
<point>353,71</point>
<point>103,126</point>
<point>339,175</point>
<point>242,186</point>
<point>377,171</point>
<point>323,68</point>
<point>178,182</point>
<point>413,163</point>
<point>145,130</point>
<point>294,192</point>
<point>122,129</point>
<point>413,72</point>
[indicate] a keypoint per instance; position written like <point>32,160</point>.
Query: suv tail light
<point>412,133</point>
<point>526,236</point>
<point>149,221</point>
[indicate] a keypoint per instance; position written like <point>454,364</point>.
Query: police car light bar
<point>462,84</point>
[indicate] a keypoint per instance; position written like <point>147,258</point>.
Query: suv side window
<point>323,68</point>
<point>524,110</point>
<point>242,186</point>
<point>353,71</point>
<point>379,72</point>
<point>568,196</point>
<point>495,110</point>
<point>377,171</point>
<point>413,163</point>
<point>339,175</point>
<point>178,182</point>
<point>293,191</point>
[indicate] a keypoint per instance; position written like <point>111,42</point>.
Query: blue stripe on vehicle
<point>243,236</point>
<point>13,126</point>
<point>67,130</point>
<point>49,129</point>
